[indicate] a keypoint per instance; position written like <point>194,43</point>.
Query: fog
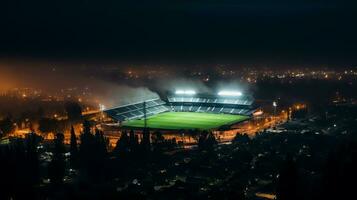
<point>105,90</point>
<point>51,79</point>
<point>177,83</point>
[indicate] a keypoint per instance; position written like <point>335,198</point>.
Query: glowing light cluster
<point>185,92</point>
<point>101,107</point>
<point>230,93</point>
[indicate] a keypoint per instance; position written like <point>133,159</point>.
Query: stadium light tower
<point>275,105</point>
<point>101,107</point>
<point>145,118</point>
<point>185,92</point>
<point>230,93</point>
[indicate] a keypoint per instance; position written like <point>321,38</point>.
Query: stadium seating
<point>211,109</point>
<point>241,105</point>
<point>135,111</point>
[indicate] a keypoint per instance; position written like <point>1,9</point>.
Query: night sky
<point>250,31</point>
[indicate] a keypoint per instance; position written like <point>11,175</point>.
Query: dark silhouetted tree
<point>241,139</point>
<point>86,145</point>
<point>123,144</point>
<point>158,142</point>
<point>73,148</point>
<point>56,168</point>
<point>287,188</point>
<point>134,141</point>
<point>6,126</point>
<point>101,144</point>
<point>47,125</point>
<point>39,113</point>
<point>20,167</point>
<point>340,172</point>
<point>92,152</point>
<point>206,141</point>
<point>74,110</point>
<point>145,142</point>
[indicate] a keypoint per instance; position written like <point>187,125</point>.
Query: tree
<point>206,141</point>
<point>101,144</point>
<point>47,125</point>
<point>123,144</point>
<point>158,141</point>
<point>73,148</point>
<point>340,172</point>
<point>39,113</point>
<point>241,139</point>
<point>74,110</point>
<point>133,140</point>
<point>145,142</point>
<point>211,141</point>
<point>92,152</point>
<point>56,168</point>
<point>288,180</point>
<point>87,142</point>
<point>6,126</point>
<point>20,164</point>
<point>32,159</point>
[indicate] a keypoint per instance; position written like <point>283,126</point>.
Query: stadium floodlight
<point>191,92</point>
<point>230,93</point>
<point>101,107</point>
<point>275,104</point>
<point>185,92</point>
<point>180,92</point>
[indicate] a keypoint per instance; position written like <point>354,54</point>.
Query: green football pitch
<point>185,120</point>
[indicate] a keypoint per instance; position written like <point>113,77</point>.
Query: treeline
<point>306,166</point>
<point>28,173</point>
<point>46,124</point>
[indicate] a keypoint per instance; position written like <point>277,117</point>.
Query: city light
<point>230,93</point>
<point>185,92</point>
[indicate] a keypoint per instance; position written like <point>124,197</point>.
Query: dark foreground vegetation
<point>315,157</point>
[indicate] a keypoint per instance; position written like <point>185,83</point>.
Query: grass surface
<point>186,120</point>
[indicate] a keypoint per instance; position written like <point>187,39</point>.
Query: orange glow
<point>257,113</point>
<point>299,106</point>
<point>265,195</point>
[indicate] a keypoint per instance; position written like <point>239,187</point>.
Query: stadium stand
<point>135,111</point>
<point>242,105</point>
<point>212,109</point>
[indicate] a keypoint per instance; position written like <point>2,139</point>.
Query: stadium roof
<point>125,105</point>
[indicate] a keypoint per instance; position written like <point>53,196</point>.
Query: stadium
<point>186,110</point>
